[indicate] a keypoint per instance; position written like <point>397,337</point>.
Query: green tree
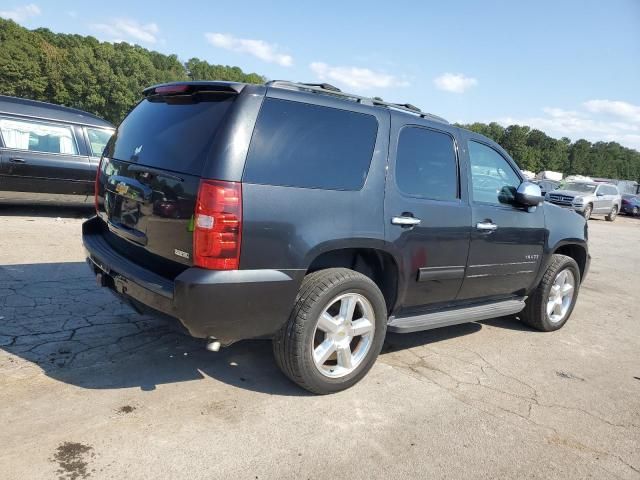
<point>100,77</point>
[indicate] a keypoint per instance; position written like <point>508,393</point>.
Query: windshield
<point>580,187</point>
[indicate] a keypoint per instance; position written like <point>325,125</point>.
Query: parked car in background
<point>547,185</point>
<point>320,220</point>
<point>588,198</point>
<point>631,205</point>
<point>628,187</point>
<point>49,153</point>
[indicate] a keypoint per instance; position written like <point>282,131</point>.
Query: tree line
<point>99,77</point>
<point>107,79</point>
<point>536,151</point>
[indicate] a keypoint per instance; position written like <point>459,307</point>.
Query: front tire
<point>335,331</point>
<point>635,212</point>
<point>587,212</point>
<point>551,304</point>
<point>612,214</point>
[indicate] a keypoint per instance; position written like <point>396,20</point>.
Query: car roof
<point>310,90</point>
<point>49,111</point>
<point>346,100</point>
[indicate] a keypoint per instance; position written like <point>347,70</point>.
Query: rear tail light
<point>218,225</point>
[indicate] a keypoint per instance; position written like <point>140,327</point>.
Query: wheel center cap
<point>341,333</point>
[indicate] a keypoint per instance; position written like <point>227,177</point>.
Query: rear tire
<point>612,214</point>
<point>587,212</point>
<point>324,348</point>
<point>547,309</point>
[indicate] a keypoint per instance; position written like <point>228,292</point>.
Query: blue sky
<point>570,68</point>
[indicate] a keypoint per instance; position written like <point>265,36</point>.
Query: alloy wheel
<point>343,335</point>
<point>561,296</point>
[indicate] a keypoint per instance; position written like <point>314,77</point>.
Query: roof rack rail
<point>328,89</point>
<point>409,106</point>
<point>324,86</point>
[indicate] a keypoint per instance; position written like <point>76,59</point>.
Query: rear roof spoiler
<point>193,86</point>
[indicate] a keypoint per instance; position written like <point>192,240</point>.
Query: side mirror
<point>599,194</point>
<point>529,194</point>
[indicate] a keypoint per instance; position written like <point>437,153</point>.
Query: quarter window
<point>426,164</point>
<point>302,145</point>
<point>492,178</point>
<point>98,139</point>
<point>37,137</point>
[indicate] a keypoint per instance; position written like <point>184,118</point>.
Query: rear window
<point>301,145</point>
<point>174,133</point>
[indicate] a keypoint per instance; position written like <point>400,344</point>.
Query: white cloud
<point>356,77</point>
<point>615,108</point>
<point>454,82</point>
<point>125,29</point>
<point>72,13</point>
<point>22,13</point>
<point>599,120</point>
<point>258,48</point>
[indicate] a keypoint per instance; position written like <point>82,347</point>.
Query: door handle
<point>487,226</point>
<point>405,221</point>
<point>17,160</point>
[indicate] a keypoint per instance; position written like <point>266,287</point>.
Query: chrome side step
<point>454,316</point>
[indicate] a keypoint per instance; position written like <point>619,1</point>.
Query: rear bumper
<point>228,305</point>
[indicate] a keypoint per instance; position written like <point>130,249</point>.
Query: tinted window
<point>38,137</point>
<point>426,164</point>
<point>98,139</point>
<point>302,145</point>
<point>175,133</point>
<point>492,178</point>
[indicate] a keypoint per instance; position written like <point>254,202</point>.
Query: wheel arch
<point>375,263</point>
<point>577,252</point>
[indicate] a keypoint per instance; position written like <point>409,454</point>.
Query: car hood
<point>570,193</point>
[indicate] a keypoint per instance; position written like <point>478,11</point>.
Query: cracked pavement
<point>91,389</point>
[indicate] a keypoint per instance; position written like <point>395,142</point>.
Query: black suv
<point>322,220</point>
<point>49,153</point>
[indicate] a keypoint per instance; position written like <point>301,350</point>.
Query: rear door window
<point>426,164</point>
<point>174,133</point>
<point>38,137</point>
<point>302,145</point>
